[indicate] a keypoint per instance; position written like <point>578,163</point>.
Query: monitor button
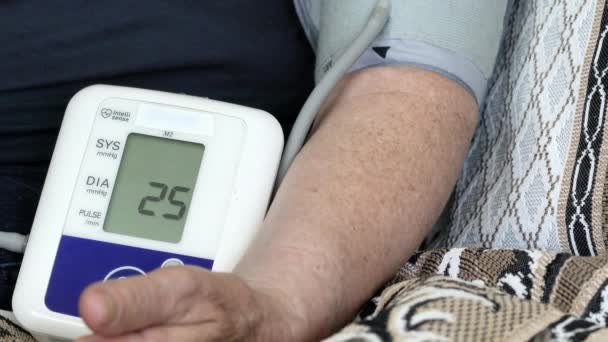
<point>172,262</point>
<point>124,272</point>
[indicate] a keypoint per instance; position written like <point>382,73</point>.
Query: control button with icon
<point>123,272</point>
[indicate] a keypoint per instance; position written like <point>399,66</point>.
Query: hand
<point>184,304</point>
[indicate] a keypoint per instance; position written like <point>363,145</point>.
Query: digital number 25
<point>163,192</point>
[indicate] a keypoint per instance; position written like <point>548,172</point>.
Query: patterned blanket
<point>522,255</point>
<point>10,332</point>
<point>489,295</point>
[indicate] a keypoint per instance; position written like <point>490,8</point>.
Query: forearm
<point>363,192</point>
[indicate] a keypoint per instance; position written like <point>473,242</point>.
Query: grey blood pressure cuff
<point>456,38</point>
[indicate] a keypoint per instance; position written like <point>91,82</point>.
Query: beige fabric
<point>488,295</point>
<point>9,332</point>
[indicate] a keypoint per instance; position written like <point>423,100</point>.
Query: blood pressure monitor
<point>141,180</point>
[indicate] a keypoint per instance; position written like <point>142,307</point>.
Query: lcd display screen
<point>154,188</point>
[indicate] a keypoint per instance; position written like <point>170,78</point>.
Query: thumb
<point>125,305</point>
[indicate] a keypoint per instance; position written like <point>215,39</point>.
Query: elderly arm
<point>360,197</point>
<point>363,193</point>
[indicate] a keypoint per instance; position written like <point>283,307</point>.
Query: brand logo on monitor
<point>106,112</point>
<point>118,115</point>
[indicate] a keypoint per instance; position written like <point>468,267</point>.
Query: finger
<point>184,333</point>
<point>131,304</point>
